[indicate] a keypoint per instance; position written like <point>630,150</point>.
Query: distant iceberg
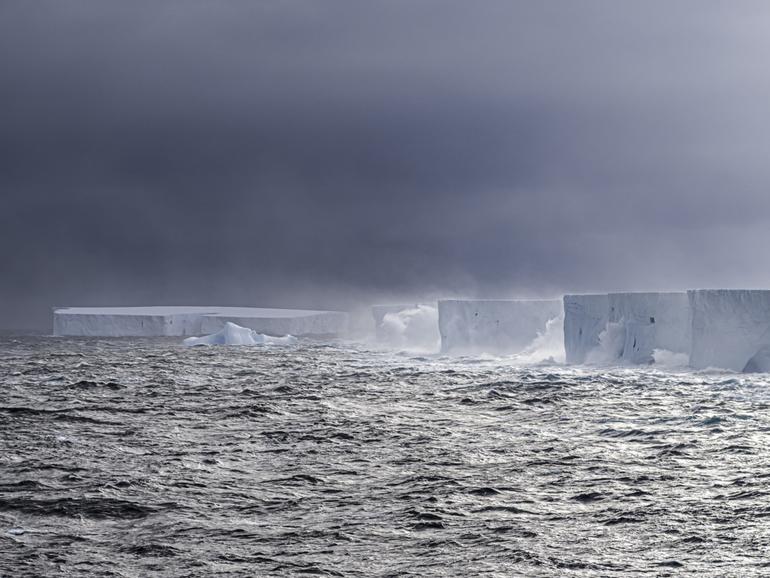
<point>163,321</point>
<point>232,334</point>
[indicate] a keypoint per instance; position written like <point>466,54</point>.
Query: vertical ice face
<point>182,320</point>
<point>585,318</point>
<point>123,323</point>
<point>651,321</point>
<point>625,327</point>
<point>730,329</point>
<point>494,326</point>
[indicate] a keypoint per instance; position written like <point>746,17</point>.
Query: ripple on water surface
<point>122,457</point>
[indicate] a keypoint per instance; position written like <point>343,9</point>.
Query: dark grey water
<point>123,458</point>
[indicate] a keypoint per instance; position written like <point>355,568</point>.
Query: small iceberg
<point>232,334</point>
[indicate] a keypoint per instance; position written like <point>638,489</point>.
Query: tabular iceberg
<point>182,321</point>
<point>232,334</point>
<point>494,326</point>
<point>407,326</point>
<point>730,329</point>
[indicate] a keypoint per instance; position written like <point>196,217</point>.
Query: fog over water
<point>329,155</point>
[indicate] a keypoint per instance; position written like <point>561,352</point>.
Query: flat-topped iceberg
<point>183,320</point>
<point>232,334</point>
<point>500,327</point>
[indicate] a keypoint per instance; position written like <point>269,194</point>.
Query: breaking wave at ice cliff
<point>412,329</point>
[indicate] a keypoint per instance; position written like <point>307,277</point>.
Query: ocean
<point>141,457</point>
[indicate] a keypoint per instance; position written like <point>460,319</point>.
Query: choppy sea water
<point>136,458</point>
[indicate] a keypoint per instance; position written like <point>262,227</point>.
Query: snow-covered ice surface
<point>140,457</point>
<point>232,334</point>
<point>731,329</point>
<point>494,326</point>
<point>183,321</point>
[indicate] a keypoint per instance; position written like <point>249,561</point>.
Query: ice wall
<point>585,317</point>
<point>183,321</point>
<point>651,321</point>
<point>730,329</point>
<point>127,321</point>
<point>493,326</point>
<point>626,327</point>
<point>279,321</point>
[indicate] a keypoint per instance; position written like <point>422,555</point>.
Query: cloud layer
<point>326,154</point>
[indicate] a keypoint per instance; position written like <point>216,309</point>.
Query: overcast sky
<point>323,153</point>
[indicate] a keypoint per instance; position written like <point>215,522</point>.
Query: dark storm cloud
<point>323,153</point>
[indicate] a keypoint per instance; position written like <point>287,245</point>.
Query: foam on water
<point>664,358</point>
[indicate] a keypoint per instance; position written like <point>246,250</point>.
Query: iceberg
<point>184,321</point>
<point>232,334</point>
<point>413,327</point>
<point>730,329</point>
<point>499,327</point>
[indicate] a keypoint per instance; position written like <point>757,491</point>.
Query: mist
<point>332,155</point>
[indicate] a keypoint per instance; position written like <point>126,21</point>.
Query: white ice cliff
<point>585,317</point>
<point>625,327</point>
<point>652,321</point>
<point>182,321</point>
<point>494,326</point>
<point>730,329</point>
<point>232,334</point>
